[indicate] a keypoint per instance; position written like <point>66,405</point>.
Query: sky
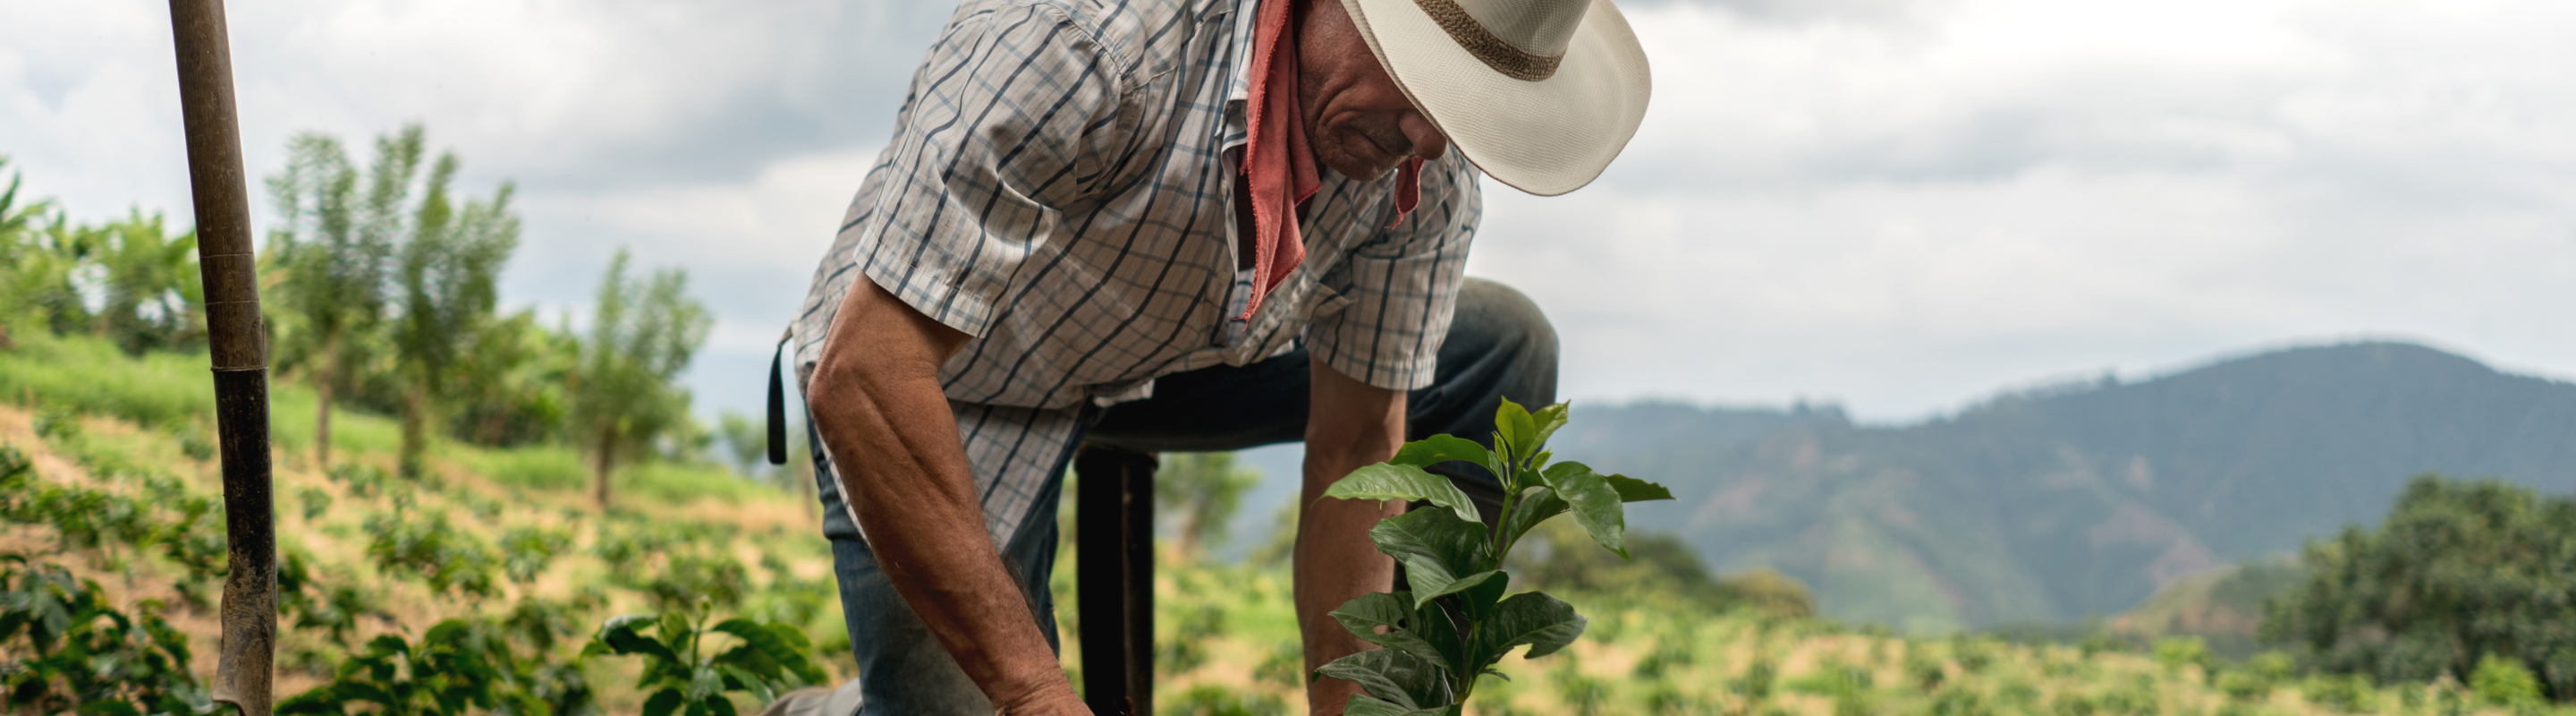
<point>1899,206</point>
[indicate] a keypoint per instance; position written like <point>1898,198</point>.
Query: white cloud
<point>1899,203</point>
<point>1903,214</point>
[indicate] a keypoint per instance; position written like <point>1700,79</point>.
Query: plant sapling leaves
<point>1518,429</point>
<point>1453,545</point>
<point>1548,419</point>
<point>1400,678</point>
<point>1534,506</point>
<point>1596,504</point>
<point>1403,482</point>
<point>1395,612</point>
<point>1543,622</point>
<point>1433,582</point>
<point>1438,449</point>
<point>1635,490</point>
<point>1364,705</point>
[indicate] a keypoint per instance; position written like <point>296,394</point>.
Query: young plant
<point>772,659</point>
<point>1456,623</point>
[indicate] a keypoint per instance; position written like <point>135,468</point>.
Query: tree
<point>1202,491</point>
<point>333,249</point>
<point>746,443</point>
<point>642,334</point>
<point>509,389</point>
<point>39,261</point>
<point>153,297</point>
<point>2460,571</point>
<point>446,278</point>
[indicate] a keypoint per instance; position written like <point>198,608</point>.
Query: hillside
<point>2081,500</point>
<point>547,568</point>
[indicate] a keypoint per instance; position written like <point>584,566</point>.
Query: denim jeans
<point>1499,345</point>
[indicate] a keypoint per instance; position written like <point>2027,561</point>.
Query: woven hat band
<point>1481,42</point>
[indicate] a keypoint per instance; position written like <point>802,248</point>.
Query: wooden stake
<point>231,275</point>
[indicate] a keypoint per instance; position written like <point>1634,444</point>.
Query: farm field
<point>508,539</point>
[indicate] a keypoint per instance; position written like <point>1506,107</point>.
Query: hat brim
<point>1546,137</point>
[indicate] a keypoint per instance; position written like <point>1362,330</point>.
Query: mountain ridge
<point>2077,499</point>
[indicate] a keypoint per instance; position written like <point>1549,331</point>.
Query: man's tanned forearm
<point>876,400</point>
<point>1349,425</point>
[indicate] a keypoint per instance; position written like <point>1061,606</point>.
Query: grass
<point>89,375</point>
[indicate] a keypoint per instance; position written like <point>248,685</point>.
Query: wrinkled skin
<point>1358,122</point>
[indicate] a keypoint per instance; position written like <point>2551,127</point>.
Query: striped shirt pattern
<point>1059,187</point>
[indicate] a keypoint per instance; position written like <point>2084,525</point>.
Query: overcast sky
<point>1898,205</point>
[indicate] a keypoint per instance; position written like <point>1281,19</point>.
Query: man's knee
<point>1496,318</point>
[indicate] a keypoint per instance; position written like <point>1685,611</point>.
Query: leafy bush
<point>1456,623</point>
<point>2503,682</point>
<point>2459,572</point>
<point>771,659</point>
<point>459,666</point>
<point>63,646</point>
<point>431,552</point>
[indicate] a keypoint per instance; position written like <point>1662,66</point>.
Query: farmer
<point>1173,225</point>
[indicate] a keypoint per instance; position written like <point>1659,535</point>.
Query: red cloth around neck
<point>1278,165</point>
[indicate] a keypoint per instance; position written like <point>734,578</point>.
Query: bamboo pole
<point>239,347</point>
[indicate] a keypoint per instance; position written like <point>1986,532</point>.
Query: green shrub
<point>63,647</point>
<point>682,677</point>
<point>431,552</point>
<point>459,666</point>
<point>2346,693</point>
<point>2500,681</point>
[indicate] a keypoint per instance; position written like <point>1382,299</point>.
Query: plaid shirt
<point>1059,187</point>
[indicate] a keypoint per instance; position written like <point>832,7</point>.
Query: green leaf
<point>1394,611</point>
<point>1432,584</point>
<point>704,682</point>
<point>739,679</point>
<point>663,702</point>
<point>1541,621</point>
<point>1365,705</point>
<point>1547,419</point>
<point>1596,504</point>
<point>1437,625</point>
<point>1404,679</point>
<point>1403,482</point>
<point>1518,429</point>
<point>782,646</point>
<point>1634,490</point>
<point>1438,449</point>
<point>621,636</point>
<point>1535,505</point>
<point>1454,546</point>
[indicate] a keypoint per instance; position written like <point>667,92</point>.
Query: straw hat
<point>1541,94</point>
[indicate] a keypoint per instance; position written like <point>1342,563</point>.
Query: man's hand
<point>1349,425</point>
<point>886,424</point>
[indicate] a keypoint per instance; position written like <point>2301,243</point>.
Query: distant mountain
<point>2078,500</point>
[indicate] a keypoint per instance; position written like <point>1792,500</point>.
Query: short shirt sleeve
<point>1403,285</point>
<point>997,139</point>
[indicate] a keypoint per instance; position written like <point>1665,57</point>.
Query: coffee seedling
<point>1456,623</point>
